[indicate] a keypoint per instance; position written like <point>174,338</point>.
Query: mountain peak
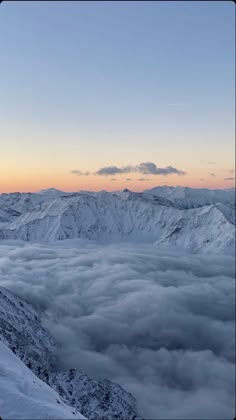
<point>51,191</point>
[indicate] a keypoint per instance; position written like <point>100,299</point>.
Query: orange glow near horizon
<point>83,97</point>
<point>69,182</point>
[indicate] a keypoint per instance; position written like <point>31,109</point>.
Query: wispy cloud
<point>229,179</point>
<point>211,162</point>
<point>113,179</point>
<point>128,179</point>
<point>202,179</point>
<point>231,171</point>
<point>177,104</point>
<point>143,179</point>
<point>212,174</point>
<point>79,173</point>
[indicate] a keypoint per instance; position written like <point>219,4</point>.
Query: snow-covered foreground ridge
<point>194,219</point>
<point>32,386</point>
<point>24,396</point>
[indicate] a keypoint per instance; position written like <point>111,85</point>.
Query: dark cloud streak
<point>145,168</point>
<point>79,173</point>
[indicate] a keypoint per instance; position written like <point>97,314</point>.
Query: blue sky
<point>86,85</point>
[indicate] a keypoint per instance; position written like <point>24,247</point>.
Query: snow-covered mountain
<point>53,192</point>
<point>21,330</point>
<point>187,198</point>
<point>24,396</point>
<point>193,219</point>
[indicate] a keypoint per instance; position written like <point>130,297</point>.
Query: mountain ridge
<point>201,219</point>
<point>22,331</point>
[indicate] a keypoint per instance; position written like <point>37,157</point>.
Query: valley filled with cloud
<point>117,210</point>
<point>158,322</point>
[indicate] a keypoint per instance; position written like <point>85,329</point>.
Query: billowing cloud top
<point>159,324</point>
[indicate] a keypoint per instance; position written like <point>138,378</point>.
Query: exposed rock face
<point>95,399</point>
<point>22,331</point>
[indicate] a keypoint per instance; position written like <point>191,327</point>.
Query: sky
<point>90,86</point>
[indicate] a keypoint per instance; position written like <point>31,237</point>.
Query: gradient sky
<point>86,85</point>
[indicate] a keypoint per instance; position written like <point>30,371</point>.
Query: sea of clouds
<point>160,323</point>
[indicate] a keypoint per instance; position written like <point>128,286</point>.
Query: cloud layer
<point>161,325</point>
<point>145,168</point>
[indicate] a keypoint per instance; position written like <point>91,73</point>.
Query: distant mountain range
<point>195,220</point>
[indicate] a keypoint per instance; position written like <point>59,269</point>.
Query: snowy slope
<point>177,216</point>
<point>24,396</point>
<point>14,204</point>
<point>211,228</point>
<point>52,192</point>
<point>186,197</point>
<point>22,331</point>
